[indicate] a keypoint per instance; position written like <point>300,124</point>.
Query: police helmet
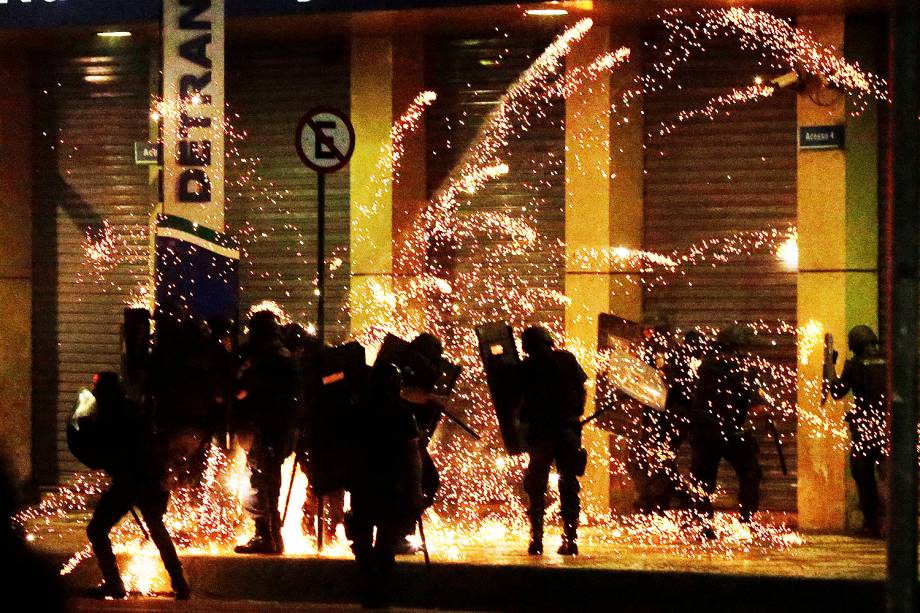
<point>263,324</point>
<point>294,336</point>
<point>535,339</point>
<point>659,322</point>
<point>861,337</point>
<point>428,345</point>
<point>735,336</point>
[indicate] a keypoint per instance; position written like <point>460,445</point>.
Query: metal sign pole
<point>321,256</point>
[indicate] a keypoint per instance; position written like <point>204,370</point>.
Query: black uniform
<point>552,383</point>
<point>865,375</point>
<point>725,392</point>
<point>266,406</point>
<point>664,431</point>
<point>317,433</point>
<point>186,381</point>
<point>384,478</point>
<point>137,481</point>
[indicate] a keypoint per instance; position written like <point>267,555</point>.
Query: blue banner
<point>197,268</point>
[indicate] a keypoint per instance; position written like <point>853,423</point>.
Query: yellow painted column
<point>627,182</point>
<point>837,281</point>
<point>587,215</point>
<point>371,183</point>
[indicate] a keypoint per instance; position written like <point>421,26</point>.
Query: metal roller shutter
<point>91,110</point>
<point>470,75</point>
<point>275,212</point>
<point>713,178</point>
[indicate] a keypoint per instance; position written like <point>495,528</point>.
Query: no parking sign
<point>325,140</point>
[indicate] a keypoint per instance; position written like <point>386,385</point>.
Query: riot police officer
<point>419,370</point>
<point>266,404</point>
<point>865,375</point>
<point>664,431</point>
<point>726,393</point>
<point>553,394</point>
<point>131,457</point>
<point>384,478</point>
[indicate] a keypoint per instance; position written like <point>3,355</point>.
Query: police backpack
<point>84,436</point>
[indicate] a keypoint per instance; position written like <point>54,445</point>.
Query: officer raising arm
<point>865,374</point>
<point>553,387</point>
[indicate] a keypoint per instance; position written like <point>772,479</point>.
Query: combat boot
<point>569,546</point>
<point>261,542</point>
<point>107,590</point>
<point>536,538</point>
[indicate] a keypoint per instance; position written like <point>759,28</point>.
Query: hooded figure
<point>865,374</point>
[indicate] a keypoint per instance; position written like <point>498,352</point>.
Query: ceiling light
<point>546,12</point>
<point>113,34</point>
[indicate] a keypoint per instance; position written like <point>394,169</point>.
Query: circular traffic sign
<point>325,140</point>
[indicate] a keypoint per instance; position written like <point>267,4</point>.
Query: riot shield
<point>340,374</point>
<point>500,361</point>
<point>625,382</point>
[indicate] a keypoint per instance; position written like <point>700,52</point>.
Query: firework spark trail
<point>513,109</point>
<point>777,38</point>
<point>574,79</point>
<point>714,106</point>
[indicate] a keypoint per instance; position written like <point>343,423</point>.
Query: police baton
<point>594,416</point>
<point>421,533</point>
<point>140,524</point>
<point>460,423</point>
<point>287,499</point>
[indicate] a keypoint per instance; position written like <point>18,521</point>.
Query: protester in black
<point>553,393</point>
<point>132,458</point>
<point>865,374</point>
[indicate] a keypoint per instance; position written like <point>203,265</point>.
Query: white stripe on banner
<point>227,252</point>
<point>193,111</point>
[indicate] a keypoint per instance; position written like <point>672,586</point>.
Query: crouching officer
<point>384,478</point>
<point>267,400</point>
<point>553,399</point>
<point>130,456</point>
<point>726,393</point>
<point>865,374</point>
